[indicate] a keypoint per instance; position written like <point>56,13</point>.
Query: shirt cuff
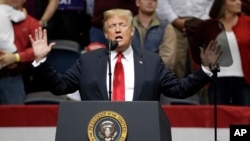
<point>36,64</point>
<point>207,70</point>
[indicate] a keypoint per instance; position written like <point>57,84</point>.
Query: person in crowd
<point>70,22</point>
<point>8,15</point>
<point>13,64</point>
<point>42,10</point>
<point>96,8</point>
<point>144,75</point>
<point>152,34</point>
<point>232,86</point>
<point>177,12</point>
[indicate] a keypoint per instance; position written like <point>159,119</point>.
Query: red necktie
<point>118,82</point>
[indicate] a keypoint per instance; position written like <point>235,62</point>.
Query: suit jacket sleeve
<point>173,87</point>
<point>59,84</point>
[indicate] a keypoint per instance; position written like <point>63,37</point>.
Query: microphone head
<point>113,44</point>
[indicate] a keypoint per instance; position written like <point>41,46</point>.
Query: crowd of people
<point>157,57</point>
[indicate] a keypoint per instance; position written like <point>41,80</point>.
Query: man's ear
<point>105,34</point>
<point>132,31</point>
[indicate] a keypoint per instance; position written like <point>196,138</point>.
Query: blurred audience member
<point>8,15</point>
<point>70,22</point>
<point>13,64</point>
<point>177,12</point>
<point>233,83</point>
<point>152,34</point>
<point>42,10</point>
<point>98,7</point>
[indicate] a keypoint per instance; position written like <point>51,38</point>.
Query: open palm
<point>40,44</point>
<point>210,54</point>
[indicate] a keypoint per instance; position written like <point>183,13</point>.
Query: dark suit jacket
<point>152,77</point>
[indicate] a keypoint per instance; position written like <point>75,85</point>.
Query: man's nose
<point>117,28</point>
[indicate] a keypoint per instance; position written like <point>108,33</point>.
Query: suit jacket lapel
<point>101,67</point>
<point>139,73</point>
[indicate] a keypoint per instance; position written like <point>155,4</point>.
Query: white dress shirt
<point>128,66</point>
<point>172,9</point>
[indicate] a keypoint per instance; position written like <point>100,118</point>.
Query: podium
<point>93,120</point>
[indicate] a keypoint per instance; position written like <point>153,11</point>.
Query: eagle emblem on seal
<point>107,129</point>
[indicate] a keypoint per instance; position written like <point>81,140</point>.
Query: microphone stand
<point>112,45</point>
<point>215,69</point>
<point>109,73</point>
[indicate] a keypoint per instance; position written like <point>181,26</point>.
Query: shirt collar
<point>137,23</point>
<point>127,54</point>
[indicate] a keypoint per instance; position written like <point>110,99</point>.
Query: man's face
<point>147,6</point>
<point>120,29</point>
<point>17,4</point>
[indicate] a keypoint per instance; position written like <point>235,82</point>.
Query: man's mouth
<point>118,38</point>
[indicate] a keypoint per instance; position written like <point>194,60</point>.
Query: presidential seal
<point>107,126</point>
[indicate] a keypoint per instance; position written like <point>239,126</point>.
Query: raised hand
<point>40,44</point>
<point>210,54</point>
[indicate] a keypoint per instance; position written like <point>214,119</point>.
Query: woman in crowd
<point>233,83</point>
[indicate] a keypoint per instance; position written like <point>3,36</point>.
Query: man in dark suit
<point>145,74</point>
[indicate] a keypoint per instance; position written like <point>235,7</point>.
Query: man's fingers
<point>52,44</point>
<point>40,33</point>
<point>31,39</point>
<point>209,47</point>
<point>45,34</point>
<point>218,49</point>
<point>36,34</point>
<point>202,49</point>
<point>215,46</point>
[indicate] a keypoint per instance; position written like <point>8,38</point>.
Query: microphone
<point>112,45</point>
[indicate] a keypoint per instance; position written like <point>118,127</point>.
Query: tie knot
<point>119,56</point>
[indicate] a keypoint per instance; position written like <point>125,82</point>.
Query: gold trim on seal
<point>106,116</point>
